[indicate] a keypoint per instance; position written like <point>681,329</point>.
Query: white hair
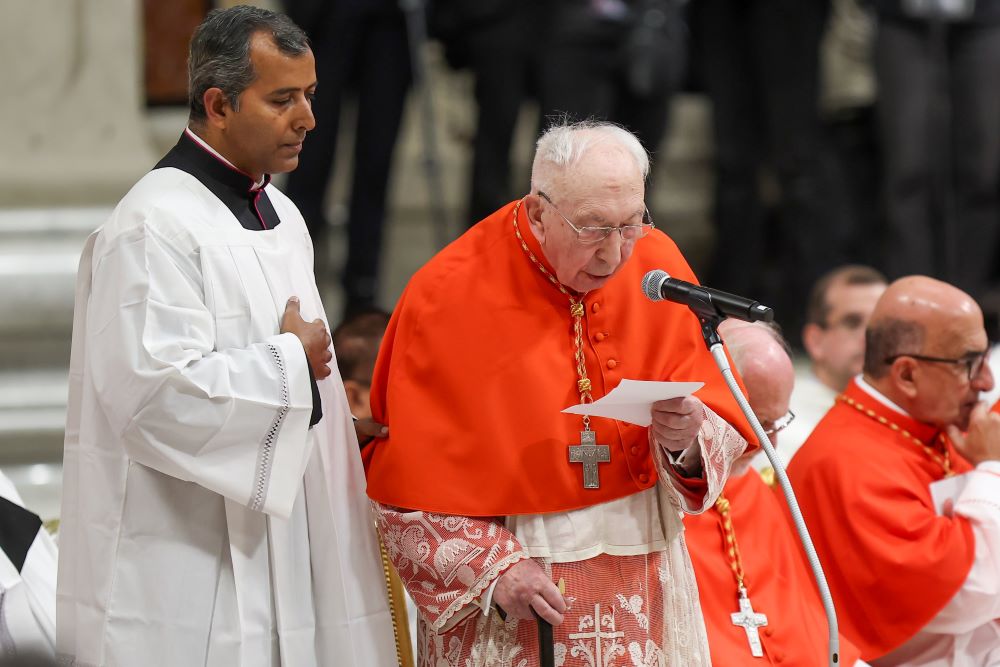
<point>563,145</point>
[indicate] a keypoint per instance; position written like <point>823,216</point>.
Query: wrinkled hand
<point>982,441</point>
<point>526,587</point>
<point>676,422</point>
<point>367,429</point>
<point>313,335</point>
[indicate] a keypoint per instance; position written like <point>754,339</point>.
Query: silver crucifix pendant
<point>589,453</point>
<point>749,620</point>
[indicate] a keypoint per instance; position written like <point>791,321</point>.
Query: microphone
<point>705,301</point>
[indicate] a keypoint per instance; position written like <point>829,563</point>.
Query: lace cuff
<point>720,445</point>
<point>446,562</point>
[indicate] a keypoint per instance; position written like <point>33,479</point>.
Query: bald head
<point>924,350</point>
<point>914,314</point>
<point>762,359</point>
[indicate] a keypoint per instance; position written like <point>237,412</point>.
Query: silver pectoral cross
<point>589,453</point>
<point>747,619</point>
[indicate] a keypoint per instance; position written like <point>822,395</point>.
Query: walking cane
<point>546,645</point>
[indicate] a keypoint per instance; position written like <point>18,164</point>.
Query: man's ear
<point>902,373</point>
<point>357,399</point>
<point>533,210</point>
<point>217,108</point>
<point>812,337</point>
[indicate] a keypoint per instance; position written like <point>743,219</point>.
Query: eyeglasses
<point>779,424</point>
<point>591,235</point>
<point>851,322</point>
<point>973,361</point>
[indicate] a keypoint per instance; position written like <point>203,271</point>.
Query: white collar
<point>878,396</point>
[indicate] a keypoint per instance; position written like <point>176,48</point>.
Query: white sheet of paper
<point>632,400</point>
<point>947,489</point>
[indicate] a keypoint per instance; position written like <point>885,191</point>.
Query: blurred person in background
<point>500,42</point>
<point>356,341</point>
<point>847,108</point>
<point>614,60</point>
<point>834,339</point>
<point>937,63</point>
<point>361,47</point>
<point>760,68</point>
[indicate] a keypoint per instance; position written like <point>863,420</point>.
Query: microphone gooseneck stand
<point>710,317</point>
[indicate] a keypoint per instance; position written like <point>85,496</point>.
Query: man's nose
<point>305,120</point>
<point>610,250</point>
<point>984,379</point>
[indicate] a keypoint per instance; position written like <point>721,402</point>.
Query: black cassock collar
<point>234,188</point>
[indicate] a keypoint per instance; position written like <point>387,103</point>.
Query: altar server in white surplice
<point>214,507</point>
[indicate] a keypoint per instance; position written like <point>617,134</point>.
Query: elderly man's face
<point>605,190</point>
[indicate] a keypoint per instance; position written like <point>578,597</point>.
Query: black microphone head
<point>652,283</point>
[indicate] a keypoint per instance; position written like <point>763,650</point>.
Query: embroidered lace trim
<point>265,455</point>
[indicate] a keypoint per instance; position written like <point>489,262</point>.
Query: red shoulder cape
<point>477,363</point>
<point>892,563</point>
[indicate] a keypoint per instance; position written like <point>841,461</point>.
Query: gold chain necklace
<point>746,617</point>
<point>588,452</point>
<point>942,459</point>
<point>575,310</point>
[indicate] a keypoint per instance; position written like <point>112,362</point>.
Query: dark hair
<point>818,308</point>
<point>356,341</point>
<point>888,338</point>
<point>219,56</point>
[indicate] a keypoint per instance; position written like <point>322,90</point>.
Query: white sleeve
<point>234,421</point>
<point>978,600</point>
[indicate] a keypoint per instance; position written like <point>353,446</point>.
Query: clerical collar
<point>247,200</point>
<point>204,144</point>
<point>878,396</point>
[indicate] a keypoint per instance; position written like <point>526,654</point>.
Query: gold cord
<point>576,310</point>
<point>942,459</point>
<point>732,547</point>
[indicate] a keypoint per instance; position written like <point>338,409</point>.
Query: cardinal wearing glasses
<point>497,508</point>
<point>900,486</point>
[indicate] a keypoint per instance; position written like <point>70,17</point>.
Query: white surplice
<point>28,594</point>
<point>203,521</point>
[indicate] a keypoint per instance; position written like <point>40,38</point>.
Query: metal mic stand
<point>710,318</point>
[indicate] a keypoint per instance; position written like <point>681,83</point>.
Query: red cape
<point>891,561</point>
<point>477,364</point>
<point>777,578</point>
